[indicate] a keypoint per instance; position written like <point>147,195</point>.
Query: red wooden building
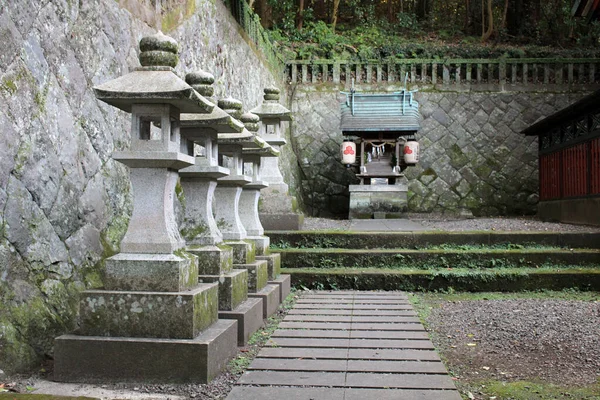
<point>569,163</point>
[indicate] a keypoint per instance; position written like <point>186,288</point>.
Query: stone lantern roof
<point>245,138</point>
<point>218,119</point>
<point>155,82</point>
<point>270,108</point>
<point>264,149</point>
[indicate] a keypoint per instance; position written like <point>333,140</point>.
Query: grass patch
<point>536,391</point>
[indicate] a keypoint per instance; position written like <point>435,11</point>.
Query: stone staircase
<point>469,261</point>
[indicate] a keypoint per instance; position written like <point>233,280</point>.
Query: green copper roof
<point>380,112</point>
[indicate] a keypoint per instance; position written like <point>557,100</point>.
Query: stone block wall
<point>64,204</point>
<point>472,156</point>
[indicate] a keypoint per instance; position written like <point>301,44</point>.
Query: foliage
<point>372,30</point>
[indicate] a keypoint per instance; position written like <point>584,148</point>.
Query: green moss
<point>239,290</point>
<point>8,86</point>
<point>505,279</point>
<point>537,390</point>
<point>111,237</point>
<point>179,193</point>
<point>191,232</point>
<point>206,309</point>
<point>457,157</point>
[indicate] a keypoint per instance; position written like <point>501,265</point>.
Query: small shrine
<point>380,143</point>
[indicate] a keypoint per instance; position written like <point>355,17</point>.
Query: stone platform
<point>348,345</point>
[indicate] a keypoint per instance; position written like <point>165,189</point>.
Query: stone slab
<point>270,297</point>
<point>343,318</point>
<point>393,354</point>
<point>274,264</point>
<point>174,315</point>
<point>315,325</point>
<point>393,367</point>
<point>391,313</point>
<point>394,394</point>
<point>278,364</point>
<point>352,343</point>
<point>243,252</point>
<point>310,333</point>
<point>338,306</point>
<point>287,393</point>
<point>404,304</point>
<point>404,381</point>
<point>399,334</point>
<point>249,316</point>
<point>279,352</point>
<point>285,286</point>
<point>387,326</point>
<point>233,287</point>
<point>151,272</point>
<point>257,275</point>
<point>282,221</point>
<point>342,294</point>
<point>213,260</point>
<point>297,378</point>
<point>98,359</point>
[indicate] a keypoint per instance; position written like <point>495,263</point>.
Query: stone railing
<point>250,23</point>
<point>447,72</point>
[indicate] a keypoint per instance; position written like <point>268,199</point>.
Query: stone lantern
<point>278,211</point>
<point>150,322</point>
<point>253,158</point>
<point>228,193</point>
<point>204,239</point>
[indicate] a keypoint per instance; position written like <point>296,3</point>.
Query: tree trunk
<point>336,6</point>
<point>390,11</point>
<point>300,15</point>
<point>490,28</point>
<point>504,14</point>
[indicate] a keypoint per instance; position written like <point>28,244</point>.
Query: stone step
<point>484,280</point>
<point>301,393</point>
<point>174,315</point>
<point>358,361</point>
<point>249,316</point>
<point>233,287</point>
<point>412,240</point>
<point>426,259</point>
<point>270,297</point>
<point>285,286</point>
<point>97,359</point>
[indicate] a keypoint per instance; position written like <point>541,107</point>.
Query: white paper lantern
<point>348,153</point>
<point>411,152</point>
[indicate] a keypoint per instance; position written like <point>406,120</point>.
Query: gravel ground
<point>556,341</point>
<point>443,223</point>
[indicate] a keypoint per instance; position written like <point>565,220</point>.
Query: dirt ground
<point>539,340</point>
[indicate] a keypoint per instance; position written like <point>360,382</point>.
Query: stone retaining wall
<point>64,204</point>
<point>472,155</point>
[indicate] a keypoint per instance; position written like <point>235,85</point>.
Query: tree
<point>334,14</point>
<point>487,33</point>
<point>300,15</point>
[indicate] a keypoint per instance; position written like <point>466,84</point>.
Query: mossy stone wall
<point>472,156</point>
<point>64,203</point>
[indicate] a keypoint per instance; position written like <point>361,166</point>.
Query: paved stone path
<point>348,346</point>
